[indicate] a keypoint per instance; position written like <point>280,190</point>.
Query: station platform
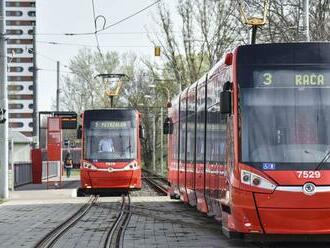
<point>67,188</point>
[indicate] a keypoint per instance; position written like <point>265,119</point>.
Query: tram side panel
<point>213,148</point>
<point>200,149</point>
<point>183,146</point>
<point>191,146</point>
<point>173,147</point>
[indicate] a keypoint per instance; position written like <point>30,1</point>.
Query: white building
<point>21,149</point>
<point>20,19</point>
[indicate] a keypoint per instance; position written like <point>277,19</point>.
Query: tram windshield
<point>110,140</point>
<point>285,116</point>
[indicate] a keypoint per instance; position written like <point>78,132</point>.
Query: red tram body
<point>111,154</point>
<point>262,167</point>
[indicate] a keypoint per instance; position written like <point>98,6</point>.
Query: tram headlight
<point>89,166</point>
<point>255,180</point>
<point>131,166</point>
<point>246,178</point>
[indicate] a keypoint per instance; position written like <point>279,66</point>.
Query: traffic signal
<point>157,51</point>
<point>2,115</point>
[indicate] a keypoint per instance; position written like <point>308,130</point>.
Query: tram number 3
<point>268,79</point>
<point>308,174</point>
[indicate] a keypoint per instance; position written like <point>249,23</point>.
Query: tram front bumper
<point>284,213</point>
<point>295,221</point>
<point>111,180</point>
<point>294,212</point>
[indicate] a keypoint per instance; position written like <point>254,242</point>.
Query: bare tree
<point>208,29</point>
<point>218,27</point>
<point>320,20</point>
<point>82,90</point>
<point>285,21</point>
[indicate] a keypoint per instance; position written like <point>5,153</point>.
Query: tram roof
<point>112,109</point>
<point>291,51</point>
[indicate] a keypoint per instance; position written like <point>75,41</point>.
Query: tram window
<point>182,140</point>
<point>141,132</point>
<point>79,132</point>
<point>175,140</point>
<point>111,143</point>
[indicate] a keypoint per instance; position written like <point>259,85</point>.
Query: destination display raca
<point>291,78</point>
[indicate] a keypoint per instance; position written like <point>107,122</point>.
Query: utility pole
<point>306,20</point>
<point>154,143</point>
<point>58,87</point>
<point>35,92</point>
<point>4,194</point>
<point>161,142</point>
<point>12,165</point>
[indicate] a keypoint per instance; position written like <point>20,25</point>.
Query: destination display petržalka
<point>110,124</point>
<point>291,78</point>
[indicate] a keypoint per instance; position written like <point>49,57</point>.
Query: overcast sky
<point>72,16</point>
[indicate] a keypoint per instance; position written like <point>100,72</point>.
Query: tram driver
<point>106,145</point>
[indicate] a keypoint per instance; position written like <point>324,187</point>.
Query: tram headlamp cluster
<point>89,166</point>
<point>255,180</point>
<point>131,166</point>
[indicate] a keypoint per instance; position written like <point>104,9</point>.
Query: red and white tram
<point>111,150</point>
<point>250,141</point>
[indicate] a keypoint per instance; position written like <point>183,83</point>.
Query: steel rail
<point>53,236</point>
<point>153,175</point>
<point>153,182</point>
<point>155,185</point>
<point>116,232</point>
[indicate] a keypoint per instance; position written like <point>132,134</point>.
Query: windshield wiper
<point>325,159</point>
<point>129,146</point>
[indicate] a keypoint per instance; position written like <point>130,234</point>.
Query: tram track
<point>157,183</point>
<point>115,235</point>
<point>53,236</point>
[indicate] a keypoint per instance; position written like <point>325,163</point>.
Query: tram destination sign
<point>291,78</point>
<point>109,124</point>
<point>68,119</point>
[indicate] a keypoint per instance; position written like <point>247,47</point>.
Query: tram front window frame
<point>284,123</point>
<point>110,139</point>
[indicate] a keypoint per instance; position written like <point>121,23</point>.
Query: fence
<point>22,174</point>
<point>53,169</point>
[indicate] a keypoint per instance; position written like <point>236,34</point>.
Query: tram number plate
<point>308,174</point>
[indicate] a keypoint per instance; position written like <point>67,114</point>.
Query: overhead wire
<point>96,32</point>
<point>103,33</point>
<point>95,28</point>
<point>130,16</point>
<point>53,70</point>
<point>79,44</point>
<point>50,59</point>
<point>104,26</point>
